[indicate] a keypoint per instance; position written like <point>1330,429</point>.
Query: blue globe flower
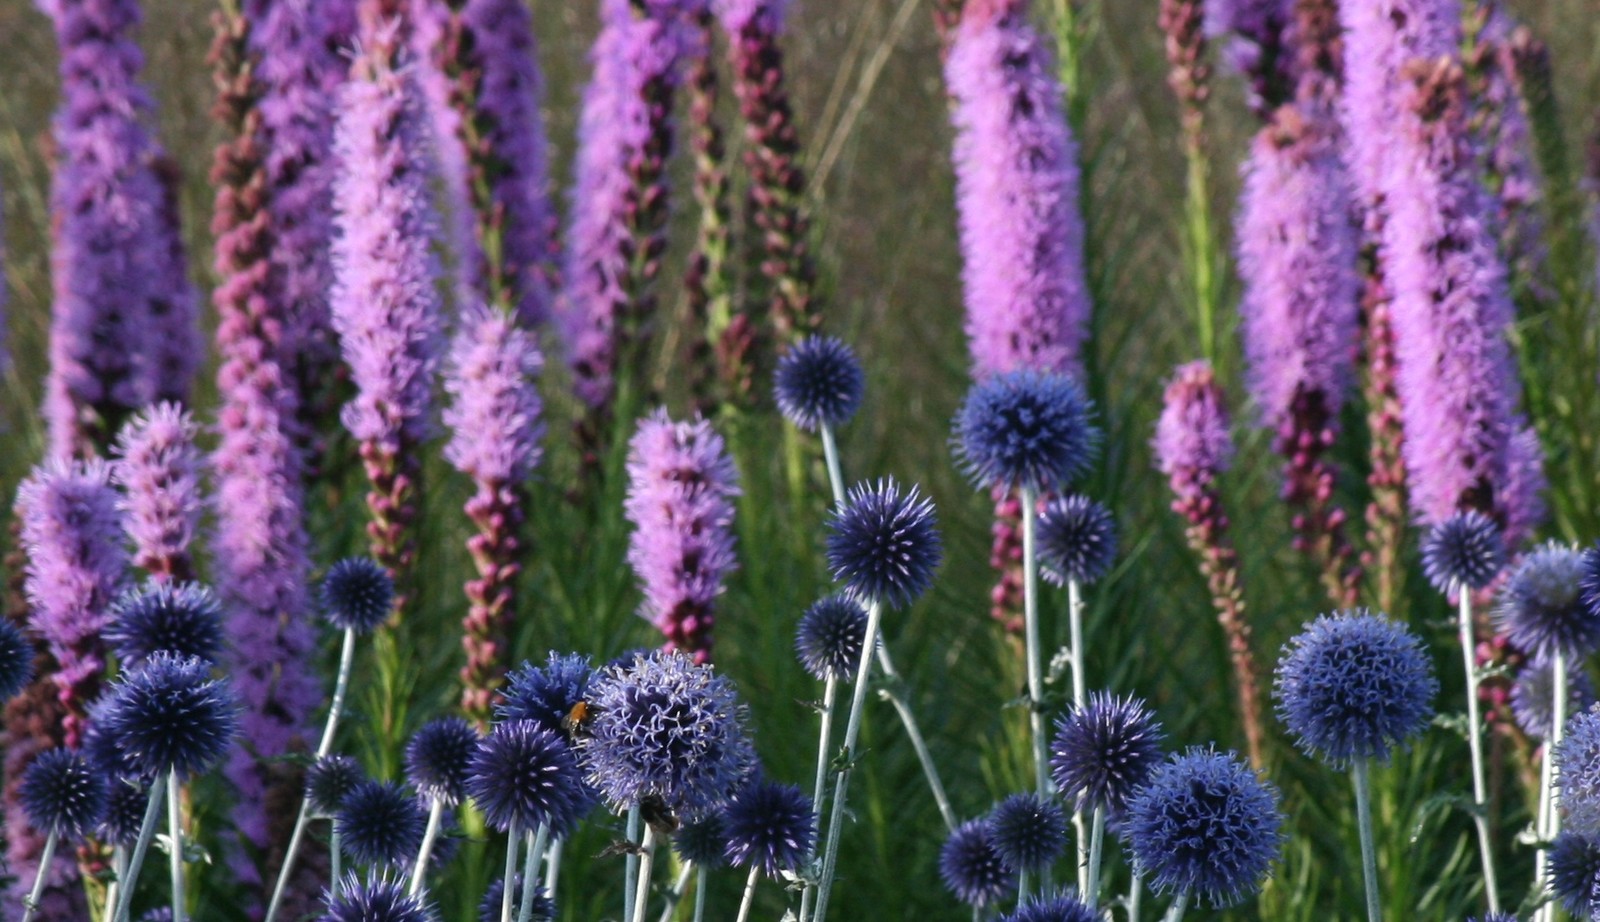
<point>971,867</point>
<point>1533,696</point>
<point>544,909</point>
<point>1354,686</point>
<point>1025,429</point>
<point>62,793</point>
<point>1466,549</point>
<point>819,383</point>
<point>357,594</point>
<point>1061,907</point>
<point>884,545</point>
<point>1574,873</point>
<point>1577,772</point>
<point>378,899</point>
<point>170,715</point>
<point>183,619</point>
<point>329,781</point>
<point>1206,826</point>
<point>126,800</point>
<point>379,823</point>
<point>703,841</point>
<point>1029,832</point>
<point>546,694</point>
<point>525,774</point>
<point>1077,540</point>
<point>1103,752</point>
<point>1541,607</point>
<point>1588,584</point>
<point>768,825</point>
<point>16,660</point>
<point>829,637</point>
<point>439,759</point>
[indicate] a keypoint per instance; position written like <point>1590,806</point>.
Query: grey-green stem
<point>45,857</point>
<point>749,892</point>
<point>175,830</point>
<point>1080,698</point>
<point>1369,852</point>
<point>1097,841</point>
<point>642,893</point>
<point>147,831</point>
<point>700,895</point>
<point>1176,910</point>
<point>419,870</point>
<point>675,895</point>
<point>1480,789</point>
<point>630,865</point>
<point>530,871</point>
<point>508,889</point>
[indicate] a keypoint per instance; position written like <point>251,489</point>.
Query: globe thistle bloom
<point>489,908</point>
<point>357,594</point>
<point>1353,686</point>
<point>376,899</point>
<point>16,660</point>
<point>1589,582</point>
<point>1025,429</point>
<point>158,469</point>
<point>1028,831</point>
<point>829,637</point>
<point>379,823</point>
<point>439,759</point>
<point>1541,608</point>
<point>1105,751</point>
<point>184,619</point>
<point>1466,549</point>
<point>666,728</point>
<point>703,841</point>
<point>1077,539</point>
<point>1574,873</point>
<point>170,715</point>
<point>769,826</point>
<point>1533,696</point>
<point>819,383</point>
<point>546,694</point>
<point>1205,826</point>
<point>884,545</point>
<point>329,781</point>
<point>1577,772</point>
<point>126,802</point>
<point>971,866</point>
<point>523,775</point>
<point>62,793</point>
<point>1061,907</point>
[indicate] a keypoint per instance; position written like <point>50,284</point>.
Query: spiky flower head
<point>1589,583</point>
<point>126,801</point>
<point>1205,826</point>
<point>184,619</point>
<point>379,823</point>
<point>884,545</point>
<point>1028,831</point>
<point>376,899</point>
<point>329,781</point>
<point>768,826</point>
<point>357,594</point>
<point>829,637</point>
<point>1577,772</point>
<point>490,907</point>
<point>703,841</point>
<point>1027,429</point>
<point>62,793</point>
<point>1105,751</point>
<point>171,715</point>
<point>439,759</point>
<point>16,660</point>
<point>1354,686</point>
<point>545,694</point>
<point>1540,606</point>
<point>1533,696</point>
<point>1061,907</point>
<point>523,774</point>
<point>666,728</point>
<point>1466,549</point>
<point>1574,873</point>
<point>819,383</point>
<point>972,868</point>
<point>1077,539</point>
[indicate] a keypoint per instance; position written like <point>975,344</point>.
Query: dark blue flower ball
<point>971,866</point>
<point>1541,608</point>
<point>379,823</point>
<point>1577,772</point>
<point>1029,832</point>
<point>62,793</point>
<point>1466,549</point>
<point>1077,540</point>
<point>1588,583</point>
<point>768,825</point>
<point>171,715</point>
<point>102,749</point>
<point>1205,825</point>
<point>357,594</point>
<point>329,781</point>
<point>1062,907</point>
<point>1533,696</point>
<point>126,800</point>
<point>829,638</point>
<point>1574,873</point>
<point>524,774</point>
<point>703,841</point>
<point>1354,686</point>
<point>1104,751</point>
<point>819,383</point>
<point>439,759</point>
<point>546,694</point>
<point>1026,429</point>
<point>183,619</point>
<point>378,899</point>
<point>884,545</point>
<point>16,660</point>
<point>544,909</point>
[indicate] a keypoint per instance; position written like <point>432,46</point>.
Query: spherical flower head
<point>1466,549</point>
<point>329,781</point>
<point>183,619</point>
<point>1354,686</point>
<point>439,759</point>
<point>884,545</point>
<point>1588,584</point>
<point>1574,873</point>
<point>357,594</point>
<point>103,749</point>
<point>1027,429</point>
<point>379,823</point>
<point>1105,751</point>
<point>768,825</point>
<point>62,793</point>
<point>703,841</point>
<point>546,694</point>
<point>170,715</point>
<point>829,637</point>
<point>524,774</point>
<point>126,801</point>
<point>668,728</point>
<point>543,909</point>
<point>1533,694</point>
<point>1028,831</point>
<point>1541,609</point>
<point>819,383</point>
<point>1577,772</point>
<point>1077,540</point>
<point>972,868</point>
<point>1062,907</point>
<point>378,899</point>
<point>16,660</point>
<point>1206,826</point>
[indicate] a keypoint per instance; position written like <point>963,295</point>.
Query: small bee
<point>576,723</point>
<point>660,816</point>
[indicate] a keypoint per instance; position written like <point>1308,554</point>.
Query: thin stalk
<point>335,860</point>
<point>1135,897</point>
<point>1023,884</point>
<point>1480,795</point>
<point>347,655</point>
<point>1030,613</point>
<point>642,893</point>
<point>676,894</point>
<point>552,869</point>
<point>1080,698</point>
<point>435,813</point>
<point>175,831</point>
<point>147,831</point>
<point>1097,841</point>
<point>119,868</point>
<point>509,890</point>
<point>700,895</point>
<point>1548,822</point>
<point>830,692</point>
<point>830,454</point>
<point>530,871</point>
<point>45,857</point>
<point>630,865</point>
<point>1369,853</point>
<point>1175,913</point>
<point>749,892</point>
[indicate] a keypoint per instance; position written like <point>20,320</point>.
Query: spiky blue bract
<point>1467,549</point>
<point>1025,428</point>
<point>103,750</point>
<point>545,694</point>
<point>1028,831</point>
<point>379,823</point>
<point>489,908</point>
<point>1588,583</point>
<point>62,792</point>
<point>829,637</point>
<point>330,780</point>
<point>666,728</point>
<point>819,383</point>
<point>1205,825</point>
<point>525,774</point>
<point>883,544</point>
<point>1574,873</point>
<point>126,800</point>
<point>1077,540</point>
<point>439,759</point>
<point>1061,907</point>
<point>357,594</point>
<point>768,825</point>
<point>1104,751</point>
<point>1533,696</point>
<point>1577,772</point>
<point>184,619</point>
<point>16,660</point>
<point>376,899</point>
<point>1541,610</point>
<point>1354,686</point>
<point>703,841</point>
<point>171,715</point>
<point>971,866</point>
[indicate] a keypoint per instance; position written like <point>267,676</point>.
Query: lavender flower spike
<point>681,484</point>
<point>1017,194</point>
<point>1261,49</point>
<point>158,469</point>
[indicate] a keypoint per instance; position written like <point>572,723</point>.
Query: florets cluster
<point>884,545</point>
<point>1026,429</point>
<point>1104,751</point>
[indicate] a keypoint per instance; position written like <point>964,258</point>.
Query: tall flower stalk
<point>1189,75</point>
<point>158,469</point>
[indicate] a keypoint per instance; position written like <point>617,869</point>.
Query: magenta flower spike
<point>158,469</point>
<point>681,485</point>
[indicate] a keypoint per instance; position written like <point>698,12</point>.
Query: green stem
<point>45,857</point>
<point>630,865</point>
<point>1080,698</point>
<point>1480,795</point>
<point>1030,613</point>
<point>509,890</point>
<point>830,692</point>
<point>1369,853</point>
<point>175,830</point>
<point>335,859</point>
<point>552,869</point>
<point>749,892</point>
<point>642,893</point>
<point>1097,837</point>
<point>435,813</point>
<point>830,455</point>
<point>700,895</point>
<point>530,871</point>
<point>675,896</point>
<point>1175,913</point>
<point>147,831</point>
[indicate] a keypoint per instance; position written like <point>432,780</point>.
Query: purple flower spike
<point>1017,193</point>
<point>1192,444</point>
<point>681,485</point>
<point>158,469</point>
<point>1261,49</point>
